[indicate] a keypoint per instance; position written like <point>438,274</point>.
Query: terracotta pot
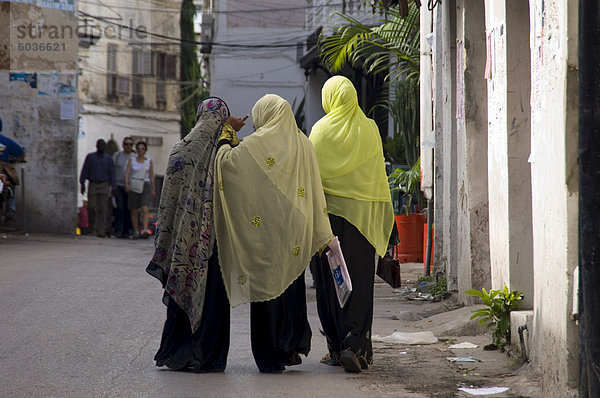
<point>410,234</point>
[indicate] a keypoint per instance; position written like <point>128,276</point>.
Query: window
<point>111,68</point>
<point>122,86</point>
<point>166,66</point>
<point>171,67</point>
<point>161,95</point>
<point>141,62</point>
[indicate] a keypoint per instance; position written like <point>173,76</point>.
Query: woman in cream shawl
<point>196,332</point>
<point>270,219</point>
<point>352,168</point>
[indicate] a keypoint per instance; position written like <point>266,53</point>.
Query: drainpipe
<point>589,198</point>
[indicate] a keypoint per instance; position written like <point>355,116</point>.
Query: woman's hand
<point>236,122</point>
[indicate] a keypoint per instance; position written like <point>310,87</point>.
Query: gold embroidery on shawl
<point>256,221</point>
<point>220,185</point>
<point>270,162</point>
<point>242,279</point>
<point>296,250</point>
<point>301,192</point>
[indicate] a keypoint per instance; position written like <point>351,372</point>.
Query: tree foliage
<point>393,48</point>
<point>192,88</point>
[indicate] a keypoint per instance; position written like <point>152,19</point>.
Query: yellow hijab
<point>350,156</point>
<point>269,206</point>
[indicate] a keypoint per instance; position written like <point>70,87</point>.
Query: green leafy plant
<point>439,287</point>
<point>497,313</point>
<point>435,287</point>
<point>406,181</point>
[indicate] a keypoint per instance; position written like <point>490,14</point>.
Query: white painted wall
<point>242,75</point>
<point>498,146</point>
<point>554,191</point>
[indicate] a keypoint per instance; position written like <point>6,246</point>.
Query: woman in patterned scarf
<point>196,333</point>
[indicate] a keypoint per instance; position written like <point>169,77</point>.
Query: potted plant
<point>410,225</point>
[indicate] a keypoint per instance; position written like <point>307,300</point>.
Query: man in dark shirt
<point>99,170</point>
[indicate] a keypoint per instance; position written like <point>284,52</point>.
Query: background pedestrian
<point>122,224</point>
<point>139,185</point>
<point>99,169</point>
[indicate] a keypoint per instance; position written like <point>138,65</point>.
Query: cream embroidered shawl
<point>269,206</point>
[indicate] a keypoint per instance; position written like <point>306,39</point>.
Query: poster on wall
<point>63,5</point>
<point>67,109</point>
<point>26,77</point>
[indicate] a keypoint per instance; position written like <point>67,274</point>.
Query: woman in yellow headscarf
<point>270,219</point>
<point>350,156</point>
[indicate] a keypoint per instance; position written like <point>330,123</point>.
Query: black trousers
<point>348,328</point>
<point>279,328</point>
<point>205,350</point>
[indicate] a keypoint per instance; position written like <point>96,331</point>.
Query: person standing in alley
<point>196,333</point>
<point>122,214</point>
<point>140,189</point>
<point>269,221</point>
<point>99,169</point>
<point>352,168</point>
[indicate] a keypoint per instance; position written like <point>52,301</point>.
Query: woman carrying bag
<point>139,184</point>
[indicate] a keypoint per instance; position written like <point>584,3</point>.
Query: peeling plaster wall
<point>554,186</point>
<point>471,113</point>
<point>509,138</point>
<point>38,110</point>
<point>498,144</point>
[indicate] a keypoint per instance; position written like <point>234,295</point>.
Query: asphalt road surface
<point>81,318</point>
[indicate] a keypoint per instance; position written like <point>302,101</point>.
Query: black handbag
<point>388,269</point>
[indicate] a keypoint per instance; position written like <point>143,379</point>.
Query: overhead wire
<point>186,41</point>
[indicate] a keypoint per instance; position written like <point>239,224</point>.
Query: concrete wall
<point>554,191</point>
<point>531,165</point>
<point>446,146</point>
<point>509,142</point>
<point>38,109</point>
<point>471,115</point>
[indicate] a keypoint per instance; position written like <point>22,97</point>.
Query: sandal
<point>327,360</point>
<point>349,362</point>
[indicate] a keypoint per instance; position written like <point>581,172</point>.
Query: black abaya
<point>205,350</point>
<point>280,329</point>
<point>348,328</point>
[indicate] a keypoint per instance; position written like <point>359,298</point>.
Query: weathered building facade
<point>129,76</point>
<point>38,108</point>
<point>499,92</point>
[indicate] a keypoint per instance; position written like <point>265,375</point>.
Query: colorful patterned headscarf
<point>213,104</point>
<point>185,234</point>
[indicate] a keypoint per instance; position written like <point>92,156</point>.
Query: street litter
<point>463,359</point>
<point>405,289</point>
<point>420,297</point>
<point>408,338</point>
<point>484,390</point>
<point>466,344</point>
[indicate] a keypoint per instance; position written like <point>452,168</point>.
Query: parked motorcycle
<point>9,179</point>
